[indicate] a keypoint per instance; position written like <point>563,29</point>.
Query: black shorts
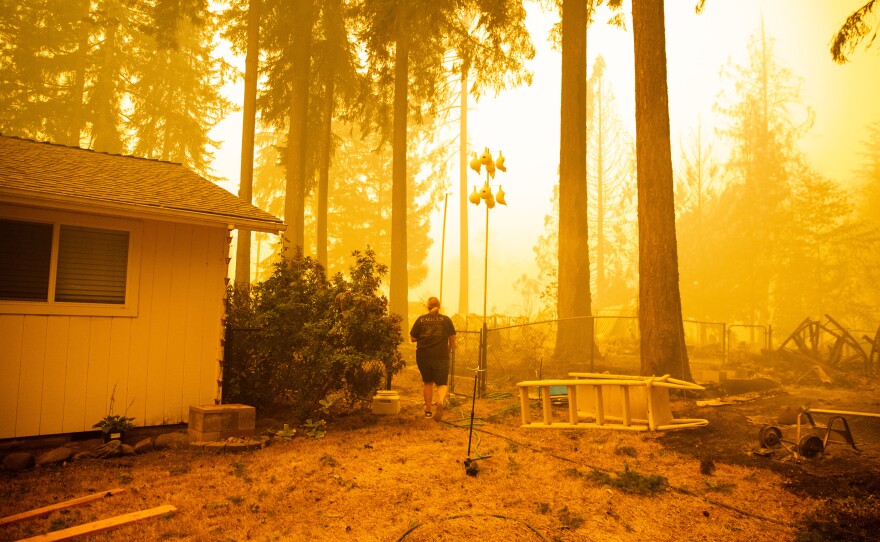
<point>434,370</point>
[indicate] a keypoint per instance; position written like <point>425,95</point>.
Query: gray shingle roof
<point>48,171</point>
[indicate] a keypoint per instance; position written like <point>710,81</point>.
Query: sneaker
<point>429,414</point>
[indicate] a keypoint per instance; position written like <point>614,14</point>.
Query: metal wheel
<point>770,436</point>
<point>811,447</point>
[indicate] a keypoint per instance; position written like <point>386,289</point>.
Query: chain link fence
<point>517,351</point>
<point>529,351</point>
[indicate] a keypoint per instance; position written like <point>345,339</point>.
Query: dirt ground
<point>402,477</point>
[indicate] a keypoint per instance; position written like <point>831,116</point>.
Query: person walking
<point>434,335</point>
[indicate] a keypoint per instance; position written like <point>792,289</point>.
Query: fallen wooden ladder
<point>632,403</point>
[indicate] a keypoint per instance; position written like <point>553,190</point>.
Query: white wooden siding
<point>57,372</point>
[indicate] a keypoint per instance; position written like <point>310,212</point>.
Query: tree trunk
<point>463,272</point>
<point>77,93</point>
<point>324,167</point>
<point>574,337</point>
<point>248,127</point>
<point>398,298</point>
<point>662,332</point>
<point>104,101</point>
<point>295,196</point>
<point>601,289</point>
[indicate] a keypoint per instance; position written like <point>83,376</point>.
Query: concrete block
<point>218,422</point>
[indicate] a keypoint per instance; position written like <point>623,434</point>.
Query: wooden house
<point>112,284</point>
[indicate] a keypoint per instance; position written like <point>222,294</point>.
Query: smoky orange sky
<point>524,122</point>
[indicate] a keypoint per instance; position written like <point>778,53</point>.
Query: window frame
<point>67,308</point>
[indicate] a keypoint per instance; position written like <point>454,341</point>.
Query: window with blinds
<point>92,263</point>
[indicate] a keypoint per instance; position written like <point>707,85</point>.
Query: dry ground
<point>402,477</point>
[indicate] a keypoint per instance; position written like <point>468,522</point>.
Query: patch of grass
<point>573,472</point>
<point>180,470</point>
<point>707,467</point>
<point>512,464</point>
<point>630,481</point>
<point>58,524</point>
<point>239,469</point>
<point>570,520</point>
<point>512,410</point>
<point>725,487</point>
<point>123,478</point>
<point>328,461</point>
<point>851,518</point>
<point>628,451</point>
<point>542,507</point>
<point>235,500</point>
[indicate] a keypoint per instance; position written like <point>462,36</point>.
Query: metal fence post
<point>592,341</point>
<point>481,371</point>
<point>725,344</point>
<point>451,372</point>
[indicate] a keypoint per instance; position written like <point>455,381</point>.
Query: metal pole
<point>725,344</point>
<point>443,246</point>
<point>592,340</point>
<point>484,362</point>
<point>486,266</point>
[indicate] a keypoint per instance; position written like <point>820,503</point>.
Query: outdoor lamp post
<point>484,195</point>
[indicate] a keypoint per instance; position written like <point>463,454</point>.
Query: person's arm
<point>414,332</point>
<point>452,343</point>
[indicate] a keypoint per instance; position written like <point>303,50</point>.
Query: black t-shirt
<point>432,332</point>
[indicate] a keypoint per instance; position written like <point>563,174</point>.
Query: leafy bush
<point>298,339</point>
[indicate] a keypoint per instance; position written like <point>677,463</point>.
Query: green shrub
<point>630,481</point>
<point>298,339</point>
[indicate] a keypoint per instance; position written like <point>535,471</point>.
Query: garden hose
<point>417,524</point>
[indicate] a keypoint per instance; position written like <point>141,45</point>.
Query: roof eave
<point>69,203</point>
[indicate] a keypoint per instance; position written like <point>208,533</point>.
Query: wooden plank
<point>546,405</point>
<point>76,376</point>
<point>59,506</point>
<point>139,350</point>
<point>30,384</point>
<point>524,410</point>
<point>196,305</point>
<point>652,422</point>
<point>600,406</point>
<point>627,415</point>
<point>102,525</point>
<point>157,360</point>
<point>179,305</point>
<point>118,366</point>
<point>572,405</point>
<point>52,411</point>
<point>97,389</point>
<point>11,329</point>
<point>590,425</point>
<point>215,292</point>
